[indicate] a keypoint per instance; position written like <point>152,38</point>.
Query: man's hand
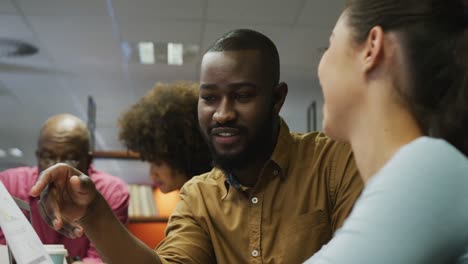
<point>67,195</point>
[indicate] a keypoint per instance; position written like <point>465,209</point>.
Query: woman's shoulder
<point>428,168</point>
<point>427,156</point>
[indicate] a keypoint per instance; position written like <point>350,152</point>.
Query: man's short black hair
<point>247,39</point>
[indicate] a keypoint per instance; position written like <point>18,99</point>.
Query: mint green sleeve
<point>414,210</point>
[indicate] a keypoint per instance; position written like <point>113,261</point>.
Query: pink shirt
<point>19,181</point>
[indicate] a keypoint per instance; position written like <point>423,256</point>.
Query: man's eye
<point>242,96</point>
<point>208,97</point>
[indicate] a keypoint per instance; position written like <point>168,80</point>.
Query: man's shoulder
<point>20,174</point>
<point>318,144</point>
<point>207,181</point>
<point>19,181</point>
<point>311,137</point>
<point>20,171</point>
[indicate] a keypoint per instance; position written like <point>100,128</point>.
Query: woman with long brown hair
<point>395,83</point>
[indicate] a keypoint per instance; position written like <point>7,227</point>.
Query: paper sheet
<point>20,235</point>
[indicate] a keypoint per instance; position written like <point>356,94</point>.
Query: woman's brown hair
<point>435,40</point>
<point>163,126</point>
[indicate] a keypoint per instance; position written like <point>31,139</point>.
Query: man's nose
<point>225,112</point>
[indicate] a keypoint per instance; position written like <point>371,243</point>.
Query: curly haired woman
<point>163,127</point>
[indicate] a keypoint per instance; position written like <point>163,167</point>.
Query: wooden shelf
<point>115,154</point>
<point>148,219</point>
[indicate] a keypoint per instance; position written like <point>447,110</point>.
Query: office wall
<point>301,94</point>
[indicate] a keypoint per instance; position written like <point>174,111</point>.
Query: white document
<point>20,235</point>
<point>4,257</point>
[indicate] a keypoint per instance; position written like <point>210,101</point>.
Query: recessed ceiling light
<point>3,153</point>
<point>175,53</point>
<point>168,53</point>
<point>146,52</point>
<point>16,152</point>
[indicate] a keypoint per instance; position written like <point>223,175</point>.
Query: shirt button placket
<point>255,228</point>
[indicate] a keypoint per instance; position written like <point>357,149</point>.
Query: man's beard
<point>260,146</point>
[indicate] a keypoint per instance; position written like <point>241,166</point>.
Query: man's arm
<point>186,241</point>
<point>113,241</point>
<point>118,199</point>
<point>71,204</point>
<point>345,184</point>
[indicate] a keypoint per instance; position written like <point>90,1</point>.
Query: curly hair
<point>163,127</point>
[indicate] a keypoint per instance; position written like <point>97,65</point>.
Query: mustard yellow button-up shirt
<point>303,195</point>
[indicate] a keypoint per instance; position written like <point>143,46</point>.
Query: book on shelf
<point>142,202</point>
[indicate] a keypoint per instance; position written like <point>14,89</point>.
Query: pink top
<point>19,181</point>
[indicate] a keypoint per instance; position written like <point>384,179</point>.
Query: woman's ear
<point>373,49</point>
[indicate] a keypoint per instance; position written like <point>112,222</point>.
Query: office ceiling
<point>82,44</point>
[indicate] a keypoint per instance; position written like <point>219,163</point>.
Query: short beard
<point>257,148</point>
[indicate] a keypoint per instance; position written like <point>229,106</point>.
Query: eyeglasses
<point>47,162</point>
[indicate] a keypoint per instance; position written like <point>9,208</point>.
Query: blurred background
<point>55,54</point>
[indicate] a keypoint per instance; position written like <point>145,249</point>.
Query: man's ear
<point>280,92</point>
<point>373,49</point>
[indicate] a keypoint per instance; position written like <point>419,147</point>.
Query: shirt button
<point>275,172</point>
<point>254,253</point>
<point>254,200</point>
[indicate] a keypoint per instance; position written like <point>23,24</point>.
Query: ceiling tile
<point>147,29</point>
<point>101,87</point>
<point>16,28</point>
<point>36,64</point>
<point>159,9</point>
<point>321,13</point>
<point>7,7</point>
<point>40,93</point>
<point>63,7</point>
<point>259,11</point>
<point>87,41</point>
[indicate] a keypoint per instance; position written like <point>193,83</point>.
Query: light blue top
<point>414,210</point>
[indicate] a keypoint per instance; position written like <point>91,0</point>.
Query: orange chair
<point>151,232</point>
